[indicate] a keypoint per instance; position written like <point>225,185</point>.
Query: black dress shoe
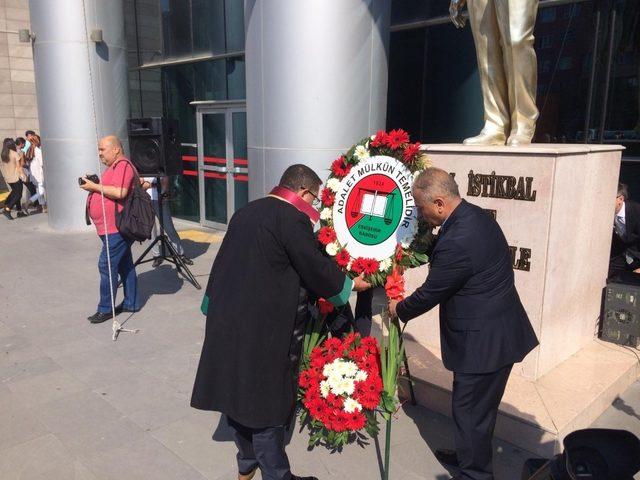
<point>186,260</point>
<point>156,262</point>
<point>99,317</point>
<point>121,308</point>
<point>447,457</point>
<point>7,213</point>
<point>295,477</point>
<point>22,214</point>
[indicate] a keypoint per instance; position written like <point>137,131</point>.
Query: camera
<point>93,177</point>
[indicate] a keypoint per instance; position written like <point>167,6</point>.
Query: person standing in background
<point>36,169</point>
<point>10,169</point>
<point>26,177</point>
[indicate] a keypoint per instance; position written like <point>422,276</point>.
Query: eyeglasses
<point>316,200</point>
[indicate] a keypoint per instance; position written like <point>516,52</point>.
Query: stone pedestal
<point>555,205</point>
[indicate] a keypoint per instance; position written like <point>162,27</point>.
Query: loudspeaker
<point>155,146</point>
<point>621,314</point>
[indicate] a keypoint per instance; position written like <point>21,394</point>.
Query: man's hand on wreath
<point>359,284</point>
<point>392,308</point>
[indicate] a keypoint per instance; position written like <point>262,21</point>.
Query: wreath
<point>340,389</point>
<point>410,247</point>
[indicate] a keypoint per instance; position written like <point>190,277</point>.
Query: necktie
<point>621,228</point>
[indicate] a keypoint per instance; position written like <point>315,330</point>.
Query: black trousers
<point>13,200</point>
<point>262,448</point>
<point>475,402</point>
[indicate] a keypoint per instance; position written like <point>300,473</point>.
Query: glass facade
<point>588,52</point>
<point>179,52</point>
<point>588,75</point>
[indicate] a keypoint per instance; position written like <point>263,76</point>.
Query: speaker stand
<point>166,246</point>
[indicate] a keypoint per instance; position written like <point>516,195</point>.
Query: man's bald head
<point>110,149</point>
<point>433,182</point>
<point>436,195</point>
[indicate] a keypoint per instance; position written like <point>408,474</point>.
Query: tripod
<point>166,245</point>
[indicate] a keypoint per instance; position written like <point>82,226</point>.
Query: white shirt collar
<point>621,213</point>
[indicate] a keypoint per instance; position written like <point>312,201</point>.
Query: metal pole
<point>607,80</point>
<point>592,78</point>
<point>387,449</point>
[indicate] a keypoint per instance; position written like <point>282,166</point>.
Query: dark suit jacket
<point>483,325</point>
<point>630,244</point>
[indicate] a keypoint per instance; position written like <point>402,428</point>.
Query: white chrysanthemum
<point>325,214</point>
<point>385,265</point>
<point>333,184</point>
<point>328,369</point>
<point>332,249</point>
<point>350,369</point>
<point>347,387</point>
<point>351,405</point>
<point>372,137</point>
<point>361,152</point>
<point>406,241</point>
<point>361,376</point>
<point>325,389</point>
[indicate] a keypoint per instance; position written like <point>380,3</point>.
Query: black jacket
<point>483,325</point>
<point>257,307</point>
<point>630,243</point>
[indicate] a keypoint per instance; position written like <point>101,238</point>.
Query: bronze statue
<point>503,35</point>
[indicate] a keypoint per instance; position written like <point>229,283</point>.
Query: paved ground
<point>76,405</point>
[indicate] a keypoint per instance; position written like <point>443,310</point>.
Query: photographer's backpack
<point>135,221</point>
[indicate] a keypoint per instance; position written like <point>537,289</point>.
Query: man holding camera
<point>105,196</point>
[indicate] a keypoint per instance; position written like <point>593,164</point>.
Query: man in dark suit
<point>484,329</point>
<point>256,315</point>
<point>624,262</point>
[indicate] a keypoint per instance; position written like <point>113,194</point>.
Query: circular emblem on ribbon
<point>368,220</point>
<point>374,210</point>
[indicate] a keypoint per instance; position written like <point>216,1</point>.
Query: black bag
<point>137,218</point>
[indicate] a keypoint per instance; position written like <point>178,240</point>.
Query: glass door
<point>222,163</point>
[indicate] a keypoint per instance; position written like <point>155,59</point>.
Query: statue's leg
<point>486,36</point>
<point>517,19</point>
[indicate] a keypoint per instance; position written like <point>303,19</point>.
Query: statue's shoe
<point>518,140</point>
<point>486,138</point>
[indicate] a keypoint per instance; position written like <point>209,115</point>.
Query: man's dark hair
<point>29,132</point>
<point>20,142</point>
<point>300,176</point>
<point>623,190</point>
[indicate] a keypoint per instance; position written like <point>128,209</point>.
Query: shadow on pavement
<point>163,280</point>
<point>194,249</point>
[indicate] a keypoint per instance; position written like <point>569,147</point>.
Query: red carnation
<point>328,197</point>
<point>355,421</point>
<point>380,139</point>
<point>332,345</point>
<point>370,344</point>
<point>396,138</point>
<point>340,168</point>
<point>358,265</point>
<point>371,266</point>
<point>410,152</point>
<point>324,306</point>
<point>357,353</point>
<point>342,258</point>
<point>349,340</point>
<point>326,235</point>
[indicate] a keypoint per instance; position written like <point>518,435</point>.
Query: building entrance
<point>223,172</point>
